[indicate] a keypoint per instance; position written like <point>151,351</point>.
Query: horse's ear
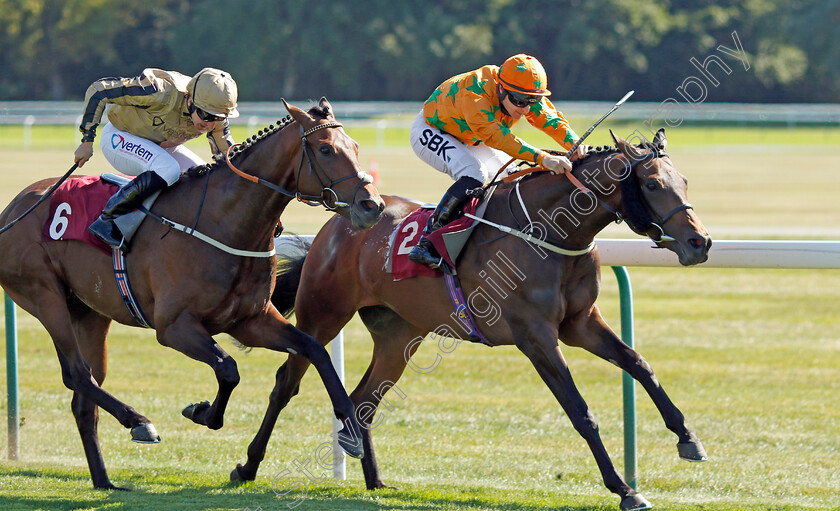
<point>659,140</point>
<point>630,151</point>
<point>326,107</point>
<point>296,113</point>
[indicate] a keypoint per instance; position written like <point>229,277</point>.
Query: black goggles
<point>520,100</point>
<point>207,116</point>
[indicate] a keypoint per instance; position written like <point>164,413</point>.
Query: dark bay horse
<point>549,295</point>
<point>188,289</point>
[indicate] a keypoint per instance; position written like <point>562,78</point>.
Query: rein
<point>328,197</point>
<point>655,224</point>
<point>330,201</point>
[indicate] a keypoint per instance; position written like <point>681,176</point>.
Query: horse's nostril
<point>371,206</point>
<point>700,243</point>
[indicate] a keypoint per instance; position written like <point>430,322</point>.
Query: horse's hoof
<point>111,487</point>
<point>634,503</point>
<point>108,486</point>
<point>692,451</point>
<point>237,476</point>
<point>144,434</point>
<point>351,443</point>
<point>192,409</point>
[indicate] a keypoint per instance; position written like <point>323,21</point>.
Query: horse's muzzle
<point>694,250</point>
<point>365,212</point>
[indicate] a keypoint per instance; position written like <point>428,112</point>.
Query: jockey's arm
<point>220,140</point>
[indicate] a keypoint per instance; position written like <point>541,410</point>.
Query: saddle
<point>449,240</point>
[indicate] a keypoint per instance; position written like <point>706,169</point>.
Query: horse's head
<point>655,202</point>
<point>330,171</point>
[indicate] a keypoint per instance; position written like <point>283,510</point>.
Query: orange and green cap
<point>524,74</point>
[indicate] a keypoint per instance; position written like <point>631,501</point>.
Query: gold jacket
<point>153,106</point>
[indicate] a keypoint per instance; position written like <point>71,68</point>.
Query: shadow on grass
<point>62,490</point>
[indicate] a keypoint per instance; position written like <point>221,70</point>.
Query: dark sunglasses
<point>205,116</point>
<point>522,100</point>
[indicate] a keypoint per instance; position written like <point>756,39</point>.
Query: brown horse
<point>65,284</point>
<point>548,296</point>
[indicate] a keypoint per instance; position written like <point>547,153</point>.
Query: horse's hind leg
<point>391,338</point>
<point>272,331</point>
<point>91,329</point>
<point>593,335</point>
<point>286,386</point>
<point>187,335</point>
<point>324,328</point>
<point>50,306</point>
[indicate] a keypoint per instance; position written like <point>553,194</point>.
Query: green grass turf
<point>750,357</point>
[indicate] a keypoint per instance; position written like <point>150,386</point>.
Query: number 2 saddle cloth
<point>449,240</point>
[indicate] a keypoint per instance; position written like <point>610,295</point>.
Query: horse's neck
<point>244,210</point>
<point>567,215</point>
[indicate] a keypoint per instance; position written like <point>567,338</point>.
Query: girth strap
<point>462,310</point>
<point>121,273</point>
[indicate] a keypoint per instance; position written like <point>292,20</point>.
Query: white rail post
<point>27,131</point>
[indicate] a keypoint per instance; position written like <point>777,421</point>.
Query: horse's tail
<point>291,253</point>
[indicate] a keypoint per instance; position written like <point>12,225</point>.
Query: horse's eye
<point>652,185</point>
<point>325,149</point>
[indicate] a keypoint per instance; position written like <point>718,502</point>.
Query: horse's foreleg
<point>187,335</point>
<point>595,336</point>
<point>286,386</point>
<point>545,355</point>
<point>272,331</point>
<point>391,337</point>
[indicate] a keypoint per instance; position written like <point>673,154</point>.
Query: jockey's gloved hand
<point>557,164</point>
<point>83,153</point>
<point>580,152</point>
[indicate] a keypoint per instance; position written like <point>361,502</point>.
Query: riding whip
<point>520,173</point>
<point>42,199</point>
<point>589,131</point>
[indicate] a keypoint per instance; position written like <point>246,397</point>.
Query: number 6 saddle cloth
<point>79,201</point>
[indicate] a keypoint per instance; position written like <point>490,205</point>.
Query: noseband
<point>328,197</point>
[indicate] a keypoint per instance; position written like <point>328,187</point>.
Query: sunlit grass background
<point>752,357</point>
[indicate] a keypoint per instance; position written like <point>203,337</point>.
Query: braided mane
<point>250,142</point>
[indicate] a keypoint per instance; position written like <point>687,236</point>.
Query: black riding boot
<point>446,211</point>
<point>128,198</point>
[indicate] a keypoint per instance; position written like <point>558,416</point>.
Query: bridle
<point>328,196</point>
<point>654,226</point>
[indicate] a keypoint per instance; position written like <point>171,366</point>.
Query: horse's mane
<point>240,149</point>
<point>635,213</point>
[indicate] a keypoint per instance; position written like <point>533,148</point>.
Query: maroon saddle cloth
<point>408,234</point>
<point>74,206</point>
